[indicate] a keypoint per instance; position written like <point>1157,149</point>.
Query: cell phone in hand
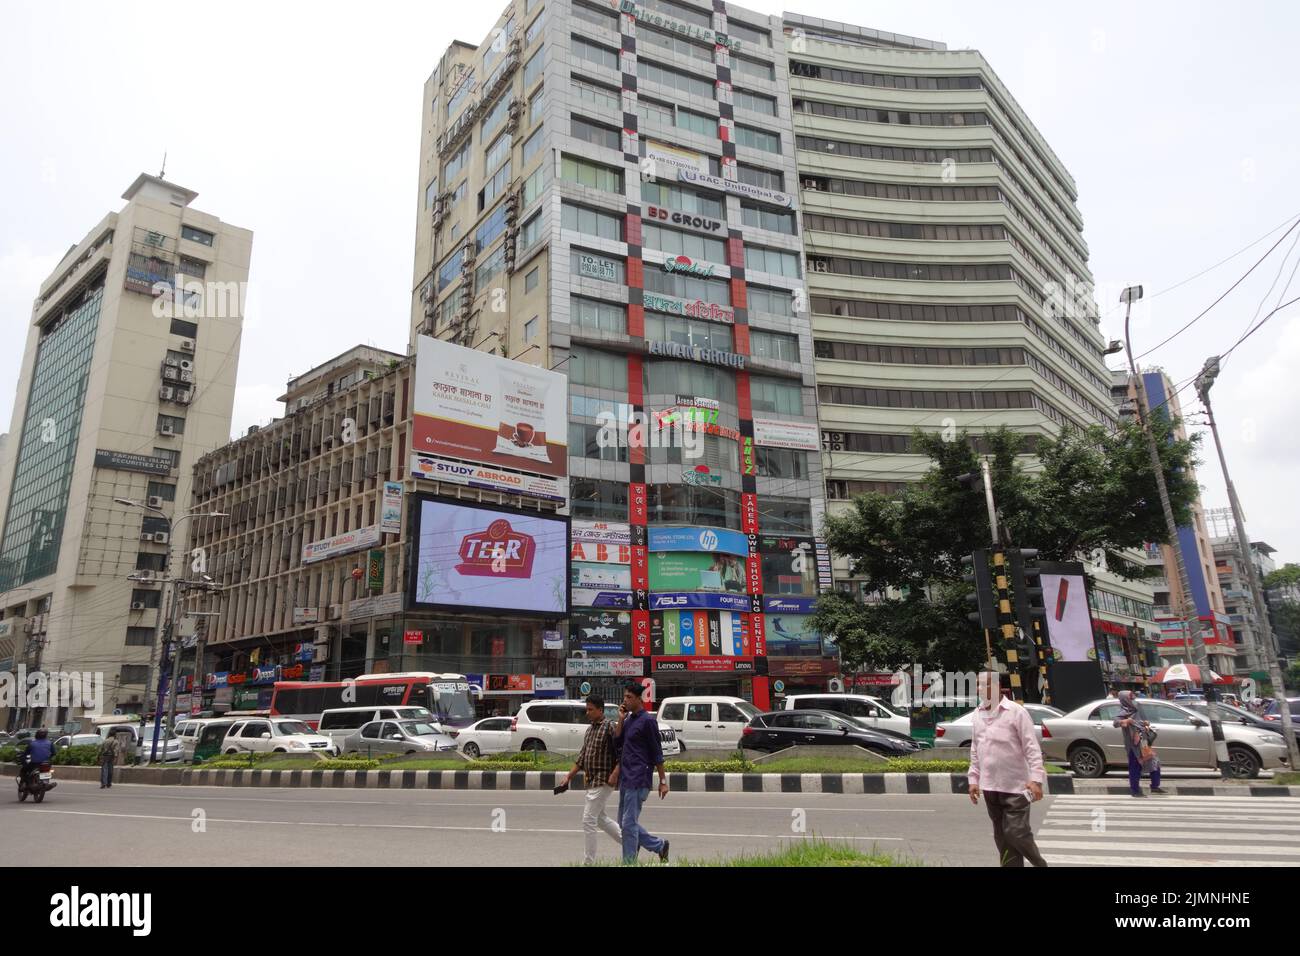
<point>562,788</point>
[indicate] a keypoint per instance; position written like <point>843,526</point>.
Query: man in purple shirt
<point>639,750</point>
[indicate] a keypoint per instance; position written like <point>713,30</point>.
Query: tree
<point>1089,490</point>
<point>1284,607</point>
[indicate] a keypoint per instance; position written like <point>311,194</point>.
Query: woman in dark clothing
<point>1136,735</point>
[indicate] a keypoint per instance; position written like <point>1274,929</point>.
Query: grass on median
<point>814,851</point>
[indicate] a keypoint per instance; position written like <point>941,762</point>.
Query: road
<point>79,824</point>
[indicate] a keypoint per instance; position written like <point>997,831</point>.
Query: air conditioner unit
<point>155,501</point>
<point>187,375</point>
<point>172,360</point>
<point>166,428</point>
<point>171,373</point>
<point>187,345</point>
<point>184,395</point>
<point>167,393</point>
<point>336,611</point>
<point>835,685</point>
<point>320,653</point>
<point>146,536</point>
<point>137,605</point>
<point>187,365</point>
<point>161,537</point>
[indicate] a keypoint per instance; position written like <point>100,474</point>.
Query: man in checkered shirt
<point>599,762</point>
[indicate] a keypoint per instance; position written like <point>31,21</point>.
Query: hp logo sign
<point>708,540</point>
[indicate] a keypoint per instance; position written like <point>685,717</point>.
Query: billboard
<point>1069,625</point>
<point>791,635</point>
<point>600,553</point>
<point>698,539</point>
<point>314,551</point>
<point>692,571</point>
<point>390,520</point>
<point>601,532</point>
<point>775,433</point>
<point>482,408</point>
<point>484,558</point>
<point>591,597</point>
<point>600,632</point>
<point>698,632</point>
<point>600,577</point>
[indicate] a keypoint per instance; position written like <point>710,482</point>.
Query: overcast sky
<point>301,121</point>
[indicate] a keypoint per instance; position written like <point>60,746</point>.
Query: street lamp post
<point>162,643</point>
<point>1187,616</point>
<point>1209,372</point>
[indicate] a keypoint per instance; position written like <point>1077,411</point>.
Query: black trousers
<point>1012,832</point>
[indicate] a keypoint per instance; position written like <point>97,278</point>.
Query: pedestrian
<point>108,754</point>
<point>639,751</point>
<point>598,760</point>
<point>1006,766</point>
<point>1138,737</point>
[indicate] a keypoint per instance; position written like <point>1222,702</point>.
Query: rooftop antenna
<point>162,173</point>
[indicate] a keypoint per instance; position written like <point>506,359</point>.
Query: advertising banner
<point>775,433</point>
<point>340,544</point>
<point>718,602</point>
<point>590,597</point>
<point>693,571</point>
<point>600,532</point>
<point>791,635</point>
<point>127,461</point>
<point>433,468</point>
<point>1069,625</point>
<point>390,520</point>
<point>604,667</point>
<point>600,632</point>
<point>486,558</point>
<point>597,553</point>
<point>698,539</point>
<point>783,604</point>
<point>701,664</point>
<point>482,408</point>
<point>601,577</point>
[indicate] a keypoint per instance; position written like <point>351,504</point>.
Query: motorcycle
<point>37,784</point>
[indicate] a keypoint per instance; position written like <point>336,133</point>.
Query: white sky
<point>300,121</point>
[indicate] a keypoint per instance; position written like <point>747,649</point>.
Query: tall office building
<point>1231,567</point>
<point>127,375</point>
<point>609,190</point>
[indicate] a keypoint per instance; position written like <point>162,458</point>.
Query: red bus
<point>446,696</point>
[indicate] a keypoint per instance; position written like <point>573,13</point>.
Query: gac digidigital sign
<point>482,558</point>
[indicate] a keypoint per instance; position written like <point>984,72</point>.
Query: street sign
<point>584,688</point>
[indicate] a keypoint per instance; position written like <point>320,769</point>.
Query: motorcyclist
<point>39,751</point>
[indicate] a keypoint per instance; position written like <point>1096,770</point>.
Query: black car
<point>779,729</point>
<point>1237,714</point>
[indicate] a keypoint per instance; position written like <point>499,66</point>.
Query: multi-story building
<point>1234,583</point>
<point>127,376</point>
<point>610,190</point>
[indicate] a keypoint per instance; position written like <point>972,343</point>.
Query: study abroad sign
<point>734,187</point>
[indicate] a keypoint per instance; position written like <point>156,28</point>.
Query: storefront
<point>800,676</point>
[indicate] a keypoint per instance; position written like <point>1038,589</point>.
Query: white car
<point>170,747</point>
<point>560,725</point>
<point>957,733</point>
<point>706,723</point>
<point>869,711</point>
<point>491,735</point>
<point>275,735</point>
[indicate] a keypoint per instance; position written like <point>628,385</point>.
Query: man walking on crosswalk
<point>1006,766</point>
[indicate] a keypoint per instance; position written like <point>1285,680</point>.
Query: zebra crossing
<point>1111,830</point>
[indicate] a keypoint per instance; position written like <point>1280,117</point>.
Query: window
<point>581,219</point>
<point>490,266</point>
<point>500,41</point>
<point>772,261</point>
<point>744,66</point>
<point>673,79</point>
<point>591,174</point>
<point>537,181</point>
<point>585,441</point>
<point>747,34</point>
<point>161,489</point>
<point>699,711</point>
<point>672,712</point>
<point>490,229</point>
<point>466,87</point>
<point>150,562</point>
<point>729,714</point>
<point>770,301</point>
<point>594,53</point>
<point>530,232</point>
<point>598,369</point>
<point>781,462</point>
<point>690,378</point>
<point>188,329</point>
<point>456,196</point>
<point>452,167</point>
<point>680,11</point>
<point>530,329</point>
<point>757,176</point>
<point>171,455</point>
<point>430,193</point>
<point>495,185</point>
<point>775,395</point>
<point>716,291</point>
<point>498,152</point>
<point>866,114</point>
<point>533,68</point>
<point>534,29</point>
<point>682,200</point>
<point>592,498</point>
<point>536,107</point>
<point>652,112</point>
<point>532,279</point>
<point>597,93</point>
<point>594,133</point>
<point>197,235</point>
<point>697,122</point>
<point>532,145</point>
<point>192,267</point>
<point>784,515</point>
<point>171,422</point>
<point>590,265</point>
<point>773,345</point>
<point>134,674</point>
<point>594,314</point>
<point>601,17</point>
<point>528,8</point>
<point>150,599</point>
<point>754,102</point>
<point>758,139</point>
<point>883,229</point>
<point>690,504</point>
<point>449,307</point>
<point>773,220</point>
<point>683,243</point>
<point>693,332</point>
<point>496,114</point>
<point>449,271</point>
<point>674,46</point>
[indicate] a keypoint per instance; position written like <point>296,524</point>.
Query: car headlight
<point>299,745</point>
<point>1270,739</point>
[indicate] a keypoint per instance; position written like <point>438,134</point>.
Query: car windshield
<point>418,728</point>
<point>748,709</point>
<point>291,728</point>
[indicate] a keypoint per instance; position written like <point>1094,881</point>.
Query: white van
<point>342,722</point>
<point>707,723</point>
<point>870,711</point>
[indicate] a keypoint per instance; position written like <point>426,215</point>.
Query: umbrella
<point>1190,673</point>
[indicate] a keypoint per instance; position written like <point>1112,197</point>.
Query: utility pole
<point>1209,372</point>
<point>1189,619</point>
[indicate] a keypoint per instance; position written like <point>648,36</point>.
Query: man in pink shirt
<point>1006,765</point>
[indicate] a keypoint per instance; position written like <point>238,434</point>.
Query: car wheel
<point>681,746</point>
<point>965,743</point>
<point>409,752</point>
<point>1244,763</point>
<point>533,745</point>
<point>1087,761</point>
<point>471,749</point>
<point>231,752</point>
<point>279,750</point>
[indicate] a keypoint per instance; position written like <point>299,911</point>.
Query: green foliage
<point>81,756</point>
<point>1089,490</point>
<point>8,754</point>
<point>1287,576</point>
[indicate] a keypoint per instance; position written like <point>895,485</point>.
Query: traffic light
<point>1027,591</point>
<point>979,577</point>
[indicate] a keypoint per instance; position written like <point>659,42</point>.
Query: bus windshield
<point>450,701</point>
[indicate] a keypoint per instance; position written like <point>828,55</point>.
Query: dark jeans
<point>1135,773</point>
<point>635,836</point>
<point>1011,828</point>
<point>106,773</point>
